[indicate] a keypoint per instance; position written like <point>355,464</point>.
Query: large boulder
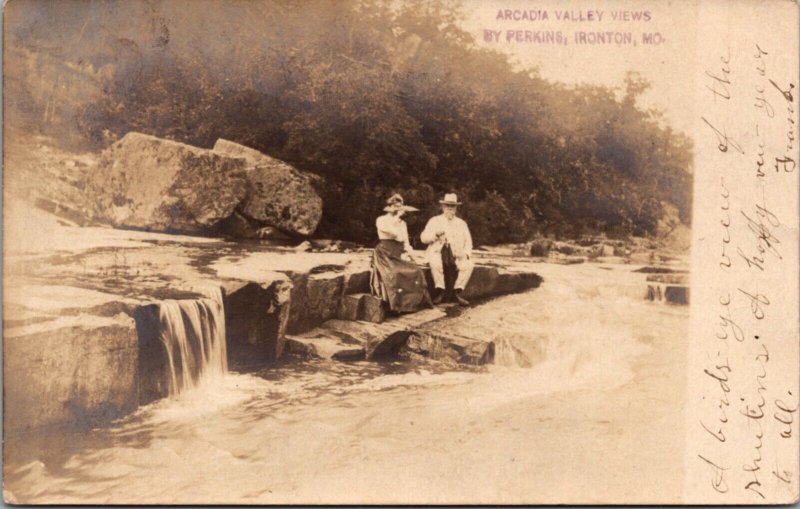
<point>153,184</point>
<point>280,195</point>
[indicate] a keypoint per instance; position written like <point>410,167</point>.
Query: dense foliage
<point>380,97</point>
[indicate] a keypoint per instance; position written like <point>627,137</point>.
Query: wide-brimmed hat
<point>450,199</point>
<point>395,202</point>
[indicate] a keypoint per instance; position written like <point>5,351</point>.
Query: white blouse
<point>392,227</point>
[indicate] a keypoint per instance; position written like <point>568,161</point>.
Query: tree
<point>379,97</point>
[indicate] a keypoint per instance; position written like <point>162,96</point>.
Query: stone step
<point>363,307</point>
<point>316,298</point>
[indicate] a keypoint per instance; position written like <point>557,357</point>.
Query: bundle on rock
<point>160,185</point>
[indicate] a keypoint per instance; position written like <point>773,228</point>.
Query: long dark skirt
<point>399,283</point>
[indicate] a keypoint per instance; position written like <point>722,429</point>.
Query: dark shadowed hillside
<point>374,97</point>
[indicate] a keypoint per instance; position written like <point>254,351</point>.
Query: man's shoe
<point>461,300</point>
<point>438,296</point>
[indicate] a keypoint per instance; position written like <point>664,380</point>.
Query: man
<point>448,232</point>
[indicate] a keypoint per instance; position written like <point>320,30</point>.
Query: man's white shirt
<point>455,231</point>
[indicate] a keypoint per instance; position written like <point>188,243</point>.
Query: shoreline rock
<point>152,184</point>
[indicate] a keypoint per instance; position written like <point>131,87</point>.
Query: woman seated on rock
<point>396,279</point>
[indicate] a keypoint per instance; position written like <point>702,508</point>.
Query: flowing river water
<point>583,404</point>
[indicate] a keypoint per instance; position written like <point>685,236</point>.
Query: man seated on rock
<point>448,238</point>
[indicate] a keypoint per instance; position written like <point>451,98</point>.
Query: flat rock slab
<point>72,283</point>
<point>77,371</point>
<point>659,270</point>
<point>350,355</point>
<point>491,281</point>
<point>672,279</point>
<point>322,346</point>
<point>376,339</point>
<point>407,336</point>
<point>447,347</point>
<point>567,260</point>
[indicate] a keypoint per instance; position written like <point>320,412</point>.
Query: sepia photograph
<point>400,252</point>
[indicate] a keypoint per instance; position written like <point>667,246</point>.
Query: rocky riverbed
<point>326,388</point>
<point>584,396</point>
<point>584,370</point>
<point>82,308</point>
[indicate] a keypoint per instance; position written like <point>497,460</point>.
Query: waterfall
<point>193,334</point>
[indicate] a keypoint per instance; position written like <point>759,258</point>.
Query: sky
<point>669,66</point>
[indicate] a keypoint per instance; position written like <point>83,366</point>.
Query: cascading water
<point>193,334</point>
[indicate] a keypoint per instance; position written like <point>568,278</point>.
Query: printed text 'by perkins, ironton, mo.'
<point>558,26</point>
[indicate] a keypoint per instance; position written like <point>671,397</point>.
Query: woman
<point>398,282</point>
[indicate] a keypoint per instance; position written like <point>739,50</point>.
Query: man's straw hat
<point>450,199</point>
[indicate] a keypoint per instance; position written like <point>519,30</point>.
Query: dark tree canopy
<point>377,97</point>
